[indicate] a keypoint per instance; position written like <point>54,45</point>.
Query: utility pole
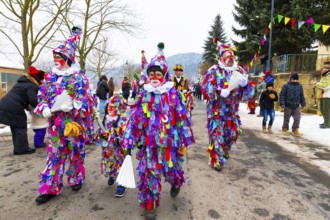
<point>270,37</point>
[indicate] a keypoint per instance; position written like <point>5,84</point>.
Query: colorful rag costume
<point>159,127</point>
<point>113,154</point>
<point>62,147</point>
<point>223,121</point>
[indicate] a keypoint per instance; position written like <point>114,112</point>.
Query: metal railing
<point>293,63</point>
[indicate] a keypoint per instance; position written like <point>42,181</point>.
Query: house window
<point>8,80</point>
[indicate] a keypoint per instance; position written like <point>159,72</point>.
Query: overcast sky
<point>182,25</point>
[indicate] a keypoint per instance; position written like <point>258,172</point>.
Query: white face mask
<point>112,118</point>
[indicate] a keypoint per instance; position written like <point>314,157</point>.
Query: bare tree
<point>101,58</point>
<point>36,22</point>
<point>99,17</point>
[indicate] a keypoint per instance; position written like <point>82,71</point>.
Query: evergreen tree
<point>209,47</point>
<point>253,16</point>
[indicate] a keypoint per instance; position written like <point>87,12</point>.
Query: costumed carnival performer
<point>66,125</point>
<point>160,128</point>
<point>181,84</point>
<point>113,154</point>
<point>223,121</point>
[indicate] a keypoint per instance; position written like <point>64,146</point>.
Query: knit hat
<point>33,71</point>
<point>294,76</point>
<point>269,84</point>
<point>158,60</point>
<point>268,72</point>
<point>67,50</point>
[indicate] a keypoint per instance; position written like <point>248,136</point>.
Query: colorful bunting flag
<point>262,42</point>
<point>310,20</point>
<point>300,23</point>
<point>286,20</point>
<point>293,22</point>
<point>270,26</point>
<point>325,28</point>
<point>280,17</point>
<point>316,27</point>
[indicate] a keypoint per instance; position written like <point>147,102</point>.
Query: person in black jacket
<point>291,97</point>
<point>126,88</point>
<point>102,92</point>
<point>12,105</point>
<point>267,99</point>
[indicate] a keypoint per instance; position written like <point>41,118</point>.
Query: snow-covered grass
<point>309,125</point>
<point>299,146</point>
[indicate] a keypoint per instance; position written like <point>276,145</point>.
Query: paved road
<point>261,181</point>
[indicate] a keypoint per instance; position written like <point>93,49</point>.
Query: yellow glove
<point>272,96</point>
<point>183,150</point>
<point>72,129</point>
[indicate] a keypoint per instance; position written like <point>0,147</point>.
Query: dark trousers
<point>271,114</point>
<point>325,110</point>
<point>39,136</point>
<point>295,113</point>
<point>20,139</point>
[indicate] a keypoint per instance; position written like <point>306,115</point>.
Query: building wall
<point>8,77</point>
<point>322,50</point>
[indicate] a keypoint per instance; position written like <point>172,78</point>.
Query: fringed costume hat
<point>67,50</point>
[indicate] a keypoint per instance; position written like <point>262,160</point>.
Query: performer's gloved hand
<point>185,91</point>
<point>66,107</point>
<point>224,93</point>
<point>139,146</point>
<point>129,151</point>
<point>46,113</point>
<point>242,81</point>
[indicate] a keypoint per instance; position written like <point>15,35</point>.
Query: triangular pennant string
<point>310,20</point>
<point>316,27</point>
<point>300,23</point>
<point>325,28</point>
<point>286,20</point>
<point>280,17</point>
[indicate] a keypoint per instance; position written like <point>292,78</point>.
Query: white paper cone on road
<point>126,174</point>
<point>233,83</point>
<point>62,99</point>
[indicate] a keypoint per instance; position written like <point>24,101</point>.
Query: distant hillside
<point>190,62</point>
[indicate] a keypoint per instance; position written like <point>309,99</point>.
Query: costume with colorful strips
<point>160,128</point>
<point>223,121</point>
<point>60,147</point>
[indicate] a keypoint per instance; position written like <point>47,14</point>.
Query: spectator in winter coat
<point>111,86</point>
<point>324,85</point>
<point>126,88</point>
<point>13,104</point>
<point>291,97</point>
<point>102,92</point>
<point>267,99</point>
<point>261,86</point>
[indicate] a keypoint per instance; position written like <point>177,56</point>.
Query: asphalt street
<point>260,181</point>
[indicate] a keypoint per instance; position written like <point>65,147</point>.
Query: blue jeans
<point>102,105</point>
<point>271,114</point>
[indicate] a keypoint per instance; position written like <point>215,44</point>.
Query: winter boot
<point>270,129</point>
<point>174,191</point>
<point>264,129</point>
<point>120,191</point>
<point>296,133</point>
<point>150,214</point>
<point>253,111</point>
<point>285,131</point>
